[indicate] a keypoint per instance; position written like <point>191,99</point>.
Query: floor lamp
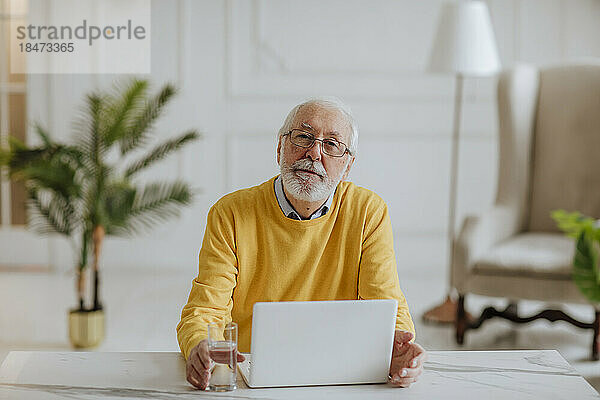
<point>464,46</point>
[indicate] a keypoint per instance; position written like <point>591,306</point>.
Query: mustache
<point>308,165</point>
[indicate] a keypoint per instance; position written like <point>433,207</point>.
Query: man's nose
<point>314,151</point>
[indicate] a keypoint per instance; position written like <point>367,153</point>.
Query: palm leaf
<point>155,203</point>
<point>96,195</point>
<point>50,212</point>
<point>59,177</point>
<point>160,152</point>
<point>121,107</point>
<point>88,130</point>
<point>55,167</point>
<point>20,155</point>
<point>118,202</point>
<point>143,122</point>
<point>43,134</point>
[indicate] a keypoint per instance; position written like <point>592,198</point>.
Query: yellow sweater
<point>251,252</point>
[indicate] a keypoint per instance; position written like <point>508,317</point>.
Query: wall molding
<point>246,83</point>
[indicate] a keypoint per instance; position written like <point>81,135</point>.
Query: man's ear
<point>348,168</point>
<point>278,149</point>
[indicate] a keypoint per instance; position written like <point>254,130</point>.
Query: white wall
<point>241,65</point>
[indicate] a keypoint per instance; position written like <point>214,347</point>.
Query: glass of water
<point>222,347</point>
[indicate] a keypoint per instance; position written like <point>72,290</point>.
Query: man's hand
<point>407,360</point>
<point>199,365</point>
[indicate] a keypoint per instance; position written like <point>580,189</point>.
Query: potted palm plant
<point>586,266</point>
<point>87,190</point>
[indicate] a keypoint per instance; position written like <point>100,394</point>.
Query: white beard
<point>305,186</point>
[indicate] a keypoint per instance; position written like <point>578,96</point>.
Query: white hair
<point>331,103</point>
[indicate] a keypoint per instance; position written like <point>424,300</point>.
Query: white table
<point>161,375</point>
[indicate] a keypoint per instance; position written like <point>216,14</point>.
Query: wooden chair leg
<point>512,308</point>
<point>596,338</point>
<point>463,323</point>
<point>461,320</point>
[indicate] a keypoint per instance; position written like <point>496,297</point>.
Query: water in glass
<point>223,375</point>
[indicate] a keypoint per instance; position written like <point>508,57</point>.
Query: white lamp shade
<point>465,43</point>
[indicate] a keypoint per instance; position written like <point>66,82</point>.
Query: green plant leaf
<point>5,156</point>
<point>143,122</point>
<point>586,274</point>
<point>160,152</point>
<point>50,212</point>
<point>572,223</point>
<point>119,198</point>
<point>89,132</point>
<point>153,204</point>
<point>22,156</point>
<point>127,102</point>
<point>43,134</point>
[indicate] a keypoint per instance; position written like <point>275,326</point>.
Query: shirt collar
<point>288,209</point>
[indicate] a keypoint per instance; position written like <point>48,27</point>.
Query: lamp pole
<point>464,45</point>
<point>454,167</point>
<point>446,312</point>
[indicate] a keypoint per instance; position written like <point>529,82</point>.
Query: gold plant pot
<point>86,328</point>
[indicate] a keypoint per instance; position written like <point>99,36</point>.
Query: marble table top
<point>161,375</point>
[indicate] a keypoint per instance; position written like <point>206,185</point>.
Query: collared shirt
<point>287,208</point>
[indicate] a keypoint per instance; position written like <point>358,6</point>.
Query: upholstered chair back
<point>517,104</point>
<point>565,153</point>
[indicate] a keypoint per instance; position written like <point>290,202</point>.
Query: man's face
<point>308,174</point>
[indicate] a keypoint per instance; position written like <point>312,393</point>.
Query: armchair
<point>549,147</point>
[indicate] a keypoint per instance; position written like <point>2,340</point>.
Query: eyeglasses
<point>330,146</point>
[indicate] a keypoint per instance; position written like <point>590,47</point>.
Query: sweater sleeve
<point>210,298</point>
<point>378,275</point>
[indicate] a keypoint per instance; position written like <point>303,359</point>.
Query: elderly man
<point>303,235</point>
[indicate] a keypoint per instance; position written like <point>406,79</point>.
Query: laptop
<point>307,343</point>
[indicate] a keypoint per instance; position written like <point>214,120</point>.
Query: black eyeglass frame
<point>347,150</point>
